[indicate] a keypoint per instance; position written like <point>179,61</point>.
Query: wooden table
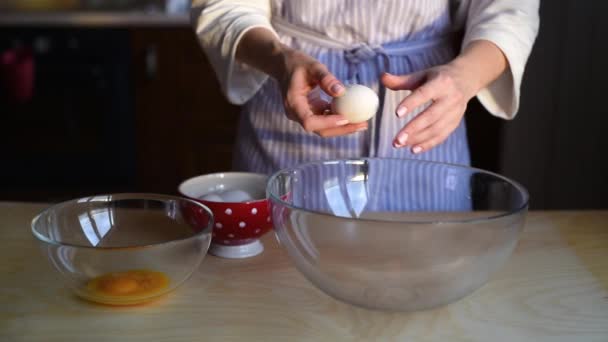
<point>554,288</point>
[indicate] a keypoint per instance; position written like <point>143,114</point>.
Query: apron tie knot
<point>363,52</point>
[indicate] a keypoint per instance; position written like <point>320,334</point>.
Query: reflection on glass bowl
<point>396,234</point>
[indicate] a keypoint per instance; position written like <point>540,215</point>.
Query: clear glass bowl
<point>396,234</point>
<point>124,249</point>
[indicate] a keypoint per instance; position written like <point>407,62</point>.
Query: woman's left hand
<point>447,88</point>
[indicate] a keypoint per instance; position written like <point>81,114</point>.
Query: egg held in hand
<point>358,103</point>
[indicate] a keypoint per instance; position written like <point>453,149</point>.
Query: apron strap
<point>360,52</point>
<point>355,54</point>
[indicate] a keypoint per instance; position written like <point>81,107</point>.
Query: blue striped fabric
<point>357,187</point>
<point>268,141</point>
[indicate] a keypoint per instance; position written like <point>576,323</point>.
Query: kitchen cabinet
<point>73,132</point>
<point>113,110</point>
<point>185,127</point>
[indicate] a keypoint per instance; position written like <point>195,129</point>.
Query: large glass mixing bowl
<point>396,234</point>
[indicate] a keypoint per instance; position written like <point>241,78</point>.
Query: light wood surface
<point>554,288</point>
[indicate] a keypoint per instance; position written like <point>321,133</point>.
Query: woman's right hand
<point>298,75</point>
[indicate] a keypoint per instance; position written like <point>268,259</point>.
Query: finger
<point>428,91</point>
<point>429,133</point>
<point>311,122</point>
<point>327,81</point>
<point>318,105</point>
<point>435,136</point>
<point>297,108</point>
<point>403,82</point>
<point>316,123</point>
<point>344,130</point>
<point>423,120</point>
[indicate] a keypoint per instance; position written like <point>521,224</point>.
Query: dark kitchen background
<point>114,96</point>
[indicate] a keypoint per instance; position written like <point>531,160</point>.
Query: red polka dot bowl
<point>240,210</point>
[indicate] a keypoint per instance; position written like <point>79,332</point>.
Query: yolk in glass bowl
<point>126,288</point>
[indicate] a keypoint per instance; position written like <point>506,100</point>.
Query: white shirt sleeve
<point>512,25</point>
<point>219,26</point>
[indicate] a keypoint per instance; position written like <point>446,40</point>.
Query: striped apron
<point>357,40</point>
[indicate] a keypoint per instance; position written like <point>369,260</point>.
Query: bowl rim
<point>184,183</point>
<point>122,196</point>
<point>273,198</point>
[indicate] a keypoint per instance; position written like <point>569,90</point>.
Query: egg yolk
<point>127,287</point>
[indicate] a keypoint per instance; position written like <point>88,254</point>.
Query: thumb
<point>403,82</point>
<point>327,81</point>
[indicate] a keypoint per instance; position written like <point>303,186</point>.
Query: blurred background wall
<point>113,96</point>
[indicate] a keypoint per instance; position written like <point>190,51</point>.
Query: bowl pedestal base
<point>237,252</point>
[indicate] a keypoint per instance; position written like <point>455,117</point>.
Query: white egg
<point>358,103</point>
<point>212,197</point>
<point>236,196</point>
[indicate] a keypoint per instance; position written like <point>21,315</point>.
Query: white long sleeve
<point>512,25</point>
<point>219,26</point>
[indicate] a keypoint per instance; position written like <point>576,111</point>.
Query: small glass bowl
<point>132,239</point>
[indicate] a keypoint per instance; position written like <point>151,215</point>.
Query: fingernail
<point>361,129</point>
<point>417,149</point>
<point>401,111</point>
<point>342,122</point>
<point>402,139</point>
<point>337,88</point>
<point>396,144</point>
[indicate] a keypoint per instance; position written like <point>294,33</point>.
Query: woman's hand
<point>298,75</point>
<point>448,88</point>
